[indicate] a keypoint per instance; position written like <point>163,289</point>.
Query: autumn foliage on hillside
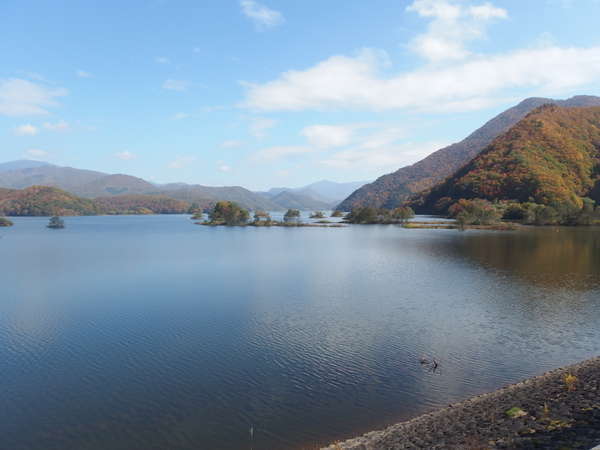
<point>142,204</point>
<point>550,157</point>
<point>44,201</point>
<point>50,201</point>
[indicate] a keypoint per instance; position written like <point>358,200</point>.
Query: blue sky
<point>276,92</point>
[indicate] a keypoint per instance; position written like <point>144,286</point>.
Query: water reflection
<point>553,257</point>
<point>153,333</point>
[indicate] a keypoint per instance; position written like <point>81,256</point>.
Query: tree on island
<point>56,223</point>
<point>317,215</point>
<point>4,222</point>
<point>262,217</point>
<point>198,215</point>
<point>292,215</point>
<point>337,213</point>
<point>228,213</point>
<point>403,214</point>
<point>362,215</point>
<point>475,212</point>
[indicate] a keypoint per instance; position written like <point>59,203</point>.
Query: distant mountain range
<point>320,195</point>
<point>92,184</point>
<point>390,191</point>
<point>550,157</point>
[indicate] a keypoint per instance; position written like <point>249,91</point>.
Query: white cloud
<point>343,82</point>
<point>61,125</point>
<point>278,152</point>
<point>381,158</point>
<point>180,115</point>
<point>126,155</point>
<point>36,154</point>
<point>162,60</point>
<point>262,16</point>
<point>20,97</point>
<point>26,130</point>
<point>260,125</point>
<point>224,168</point>
<point>176,85</point>
<point>231,144</point>
<point>452,26</point>
<point>83,74</point>
<point>487,11</point>
<point>181,161</point>
<point>328,136</point>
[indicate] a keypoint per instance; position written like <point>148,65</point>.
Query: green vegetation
<point>56,223</point>
<point>49,201</point>
<point>45,201</point>
<point>262,218</point>
<point>475,212</point>
<point>484,212</point>
<point>228,213</point>
<point>141,204</point>
<point>337,213</point>
<point>368,215</point>
<point>515,412</point>
<point>292,216</point>
<point>4,222</point>
<point>317,215</point>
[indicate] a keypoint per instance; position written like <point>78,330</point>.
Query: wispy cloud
<point>180,115</point>
<point>231,144</point>
<point>83,74</point>
<point>328,136</point>
<point>20,97</point>
<point>126,155</point>
<point>26,130</point>
<point>262,16</point>
<point>224,168</point>
<point>162,60</point>
<point>36,154</point>
<point>176,85</point>
<point>380,158</point>
<point>61,125</point>
<point>278,152</point>
<point>181,162</point>
<point>260,125</point>
<point>453,24</point>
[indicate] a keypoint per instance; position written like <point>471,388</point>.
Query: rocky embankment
<point>557,410</point>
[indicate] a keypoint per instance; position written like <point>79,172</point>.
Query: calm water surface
<point>153,333</point>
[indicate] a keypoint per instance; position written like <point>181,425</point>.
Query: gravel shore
<point>557,410</point>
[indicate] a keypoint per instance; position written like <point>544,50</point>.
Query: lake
<point>149,332</point>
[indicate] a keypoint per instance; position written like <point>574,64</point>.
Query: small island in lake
<point>4,222</point>
<point>226,213</point>
<point>56,223</point>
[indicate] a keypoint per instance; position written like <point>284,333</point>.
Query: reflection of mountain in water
<point>555,257</point>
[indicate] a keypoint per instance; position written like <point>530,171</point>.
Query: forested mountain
<point>66,178</point>
<point>298,200</point>
<point>141,204</point>
<point>389,191</point>
<point>44,201</point>
<point>204,196</point>
<point>21,164</point>
<point>322,194</point>
<point>92,184</point>
<point>551,157</point>
<point>51,201</point>
<point>117,184</point>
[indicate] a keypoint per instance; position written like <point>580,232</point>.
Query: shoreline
<point>550,411</point>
